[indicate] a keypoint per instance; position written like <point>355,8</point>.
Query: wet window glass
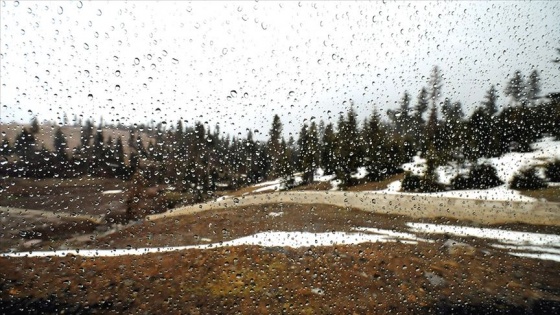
<point>279,157</point>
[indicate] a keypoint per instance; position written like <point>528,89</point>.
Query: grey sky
<point>144,60</point>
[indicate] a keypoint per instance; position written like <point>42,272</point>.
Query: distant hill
<point>45,135</point>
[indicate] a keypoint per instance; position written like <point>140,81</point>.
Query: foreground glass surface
<point>267,157</point>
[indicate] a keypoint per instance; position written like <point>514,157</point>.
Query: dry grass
<point>368,278</point>
<point>373,277</point>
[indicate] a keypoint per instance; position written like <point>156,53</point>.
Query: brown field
<point>368,278</point>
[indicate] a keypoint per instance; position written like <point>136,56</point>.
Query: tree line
<point>200,159</point>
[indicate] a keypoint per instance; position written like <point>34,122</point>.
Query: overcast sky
<point>237,64</point>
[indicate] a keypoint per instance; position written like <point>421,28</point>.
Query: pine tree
<point>122,171</point>
<point>308,144</point>
<point>24,145</point>
<point>419,123</point>
<point>328,147</point>
<point>374,142</point>
<point>274,147</point>
<point>533,88</point>
<point>450,142</point>
<point>35,128</point>
<point>286,170</point>
<point>347,155</point>
<point>435,85</point>
<point>401,117</point>
<point>490,101</point>
<point>515,89</point>
<point>5,147</point>
<point>60,146</point>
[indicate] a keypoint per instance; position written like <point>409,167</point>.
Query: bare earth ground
<point>361,279</point>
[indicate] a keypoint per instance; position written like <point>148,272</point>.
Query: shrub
<point>415,183</point>
<point>410,182</point>
<point>552,171</point>
<point>527,180</point>
<point>479,177</point>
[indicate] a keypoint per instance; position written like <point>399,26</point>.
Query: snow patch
<point>107,192</point>
<point>361,173</point>
<point>265,239</point>
<point>546,245</point>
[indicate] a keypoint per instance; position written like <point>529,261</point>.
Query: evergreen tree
<point>419,123</point>
<point>515,89</point>
<point>121,171</point>
<point>308,144</point>
<point>533,88</point>
<point>60,146</point>
<point>35,128</point>
<point>490,101</point>
<point>328,159</point>
<point>432,140</point>
<point>401,118</point>
<point>5,147</point>
<point>286,170</point>
<point>274,147</point>
<point>435,85</point>
<point>347,158</point>
<point>450,137</point>
<point>374,145</point>
<point>24,145</point>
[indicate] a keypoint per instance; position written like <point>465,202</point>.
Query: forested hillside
<point>200,159</point>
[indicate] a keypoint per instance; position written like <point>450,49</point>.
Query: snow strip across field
<point>547,246</point>
<point>524,244</point>
<point>265,239</point>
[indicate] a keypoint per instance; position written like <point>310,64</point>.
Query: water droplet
<point>118,73</point>
<point>22,31</point>
<point>233,93</point>
<point>224,51</point>
<point>80,4</point>
<point>164,53</point>
<point>117,87</point>
<point>291,93</point>
<point>175,61</point>
<point>86,46</point>
<point>115,58</point>
<point>158,109</point>
<point>136,61</point>
<point>99,13</point>
<point>264,26</point>
<point>60,10</point>
<point>90,96</point>
<point>149,56</point>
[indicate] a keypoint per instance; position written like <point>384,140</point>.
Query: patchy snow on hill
<point>360,173</point>
<point>507,165</point>
<point>416,167</point>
